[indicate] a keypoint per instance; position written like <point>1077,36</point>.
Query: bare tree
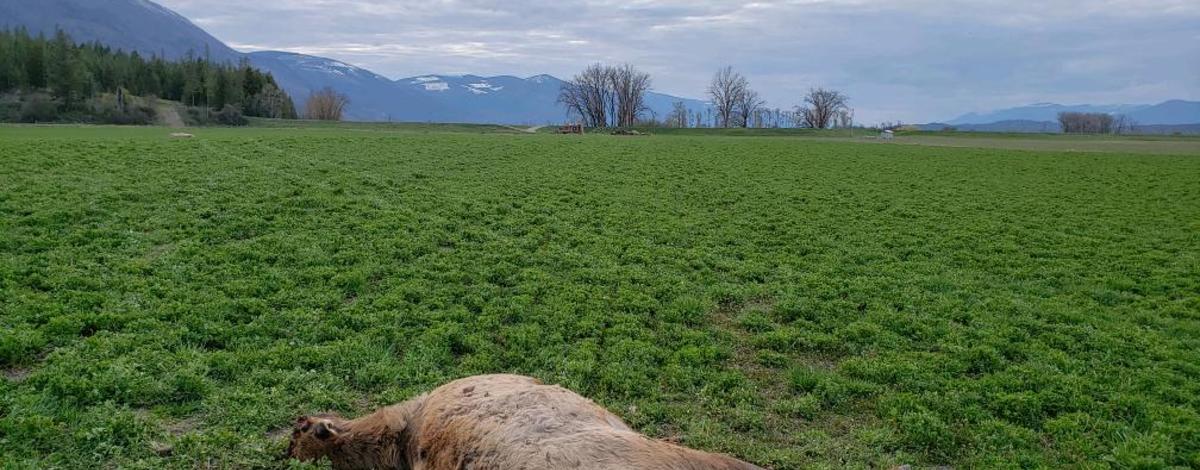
<point>603,96</point>
<point>1067,121</point>
<point>727,90</point>
<point>821,107</point>
<point>1085,123</point>
<point>573,97</point>
<point>845,118</point>
<point>629,88</point>
<point>679,115</point>
<point>326,105</point>
<point>1124,124</point>
<point>587,96</point>
<point>1103,123</point>
<point>747,106</point>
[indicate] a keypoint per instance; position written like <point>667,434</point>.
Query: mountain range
<point>1168,117</point>
<point>1172,112</point>
<point>151,29</point>
<point>435,98</point>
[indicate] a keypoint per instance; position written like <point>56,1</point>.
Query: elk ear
<point>324,430</point>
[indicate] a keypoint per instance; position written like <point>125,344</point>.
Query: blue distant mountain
<point>1049,127</point>
<point>146,27</point>
<point>1171,112</point>
<point>435,98</point>
<point>531,100</point>
<point>373,97</point>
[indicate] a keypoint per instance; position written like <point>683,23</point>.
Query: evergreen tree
<point>65,75</point>
<point>61,72</point>
<point>11,70</point>
<point>33,52</point>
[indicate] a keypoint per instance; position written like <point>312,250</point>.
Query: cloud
<point>912,60</point>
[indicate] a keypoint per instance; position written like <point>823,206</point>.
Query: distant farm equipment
<point>571,129</point>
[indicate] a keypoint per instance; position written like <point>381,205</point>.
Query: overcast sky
<point>910,60</point>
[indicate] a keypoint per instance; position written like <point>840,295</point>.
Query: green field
<point>797,302</point>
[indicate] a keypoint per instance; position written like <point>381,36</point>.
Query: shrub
<point>198,117</point>
<point>230,116</point>
<point>10,107</point>
<point>107,112</point>
<point>39,107</point>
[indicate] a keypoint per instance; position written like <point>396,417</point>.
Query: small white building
<point>887,135</point>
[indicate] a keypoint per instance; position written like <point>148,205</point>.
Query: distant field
<point>797,302</point>
<point>381,126</point>
<point>1147,144</point>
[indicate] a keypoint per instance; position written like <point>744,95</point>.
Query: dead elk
<point>493,422</point>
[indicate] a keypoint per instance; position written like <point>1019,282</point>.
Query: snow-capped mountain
<point>508,99</point>
<point>530,100</point>
<point>150,29</point>
<point>373,97</point>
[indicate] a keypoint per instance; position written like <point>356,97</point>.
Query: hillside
<point>130,25</point>
<point>150,29</point>
<point>61,80</point>
<point>373,97</point>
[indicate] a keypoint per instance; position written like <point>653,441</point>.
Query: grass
<point>1126,144</point>
<point>1052,136</point>
<point>382,126</point>
<point>1137,144</point>
<point>799,303</point>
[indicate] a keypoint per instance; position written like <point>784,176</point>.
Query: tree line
<point>1095,123</point>
<point>606,96</point>
<point>614,96</point>
<point>64,78</point>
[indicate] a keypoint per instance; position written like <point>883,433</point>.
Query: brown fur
<point>493,422</point>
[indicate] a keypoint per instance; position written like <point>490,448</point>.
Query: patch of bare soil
<point>184,426</point>
<point>17,374</point>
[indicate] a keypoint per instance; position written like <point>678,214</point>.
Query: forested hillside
<point>55,79</point>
